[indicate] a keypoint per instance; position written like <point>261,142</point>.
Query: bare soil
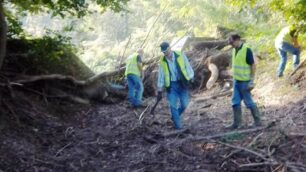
<point>112,138</point>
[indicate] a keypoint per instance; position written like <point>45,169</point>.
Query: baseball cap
<point>164,46</point>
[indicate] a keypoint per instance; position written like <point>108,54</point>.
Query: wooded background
<point>102,36</point>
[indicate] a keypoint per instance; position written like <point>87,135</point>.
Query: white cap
<point>140,51</point>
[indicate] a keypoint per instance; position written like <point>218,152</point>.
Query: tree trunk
<point>3,32</point>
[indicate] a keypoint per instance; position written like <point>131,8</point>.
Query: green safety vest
<point>241,69</point>
<point>287,37</point>
<point>180,63</point>
<point>132,65</point>
<point>284,35</point>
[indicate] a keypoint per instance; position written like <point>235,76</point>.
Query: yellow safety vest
<point>181,64</point>
<point>132,65</point>
<point>241,69</point>
<point>284,36</point>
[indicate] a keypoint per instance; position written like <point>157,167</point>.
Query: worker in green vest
<point>175,74</point>
<point>287,42</point>
<point>134,74</point>
<point>243,68</point>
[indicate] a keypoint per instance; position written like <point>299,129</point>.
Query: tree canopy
<point>13,9</point>
<point>102,38</point>
<point>293,11</point>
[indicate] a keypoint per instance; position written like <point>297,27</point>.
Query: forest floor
<point>114,138</point>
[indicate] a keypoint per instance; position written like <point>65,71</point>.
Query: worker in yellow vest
<point>243,68</point>
<point>175,74</point>
<point>134,74</point>
<point>287,42</point>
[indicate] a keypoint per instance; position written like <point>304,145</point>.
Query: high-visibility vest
<point>284,36</point>
<point>132,65</point>
<point>181,65</point>
<point>241,69</point>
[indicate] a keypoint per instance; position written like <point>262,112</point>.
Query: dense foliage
<point>293,11</point>
<point>102,39</point>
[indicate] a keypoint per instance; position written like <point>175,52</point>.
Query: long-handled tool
<point>158,99</point>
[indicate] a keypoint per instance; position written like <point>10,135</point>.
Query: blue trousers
<point>135,89</point>
<point>282,49</point>
<point>177,93</point>
<point>240,93</point>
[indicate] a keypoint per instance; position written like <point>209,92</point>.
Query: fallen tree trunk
<point>206,63</point>
<point>61,86</point>
<point>217,44</point>
<point>214,75</point>
<point>30,79</point>
<point>105,75</point>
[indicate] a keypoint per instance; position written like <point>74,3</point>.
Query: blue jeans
<point>241,92</point>
<point>175,93</point>
<point>282,49</point>
<point>135,89</point>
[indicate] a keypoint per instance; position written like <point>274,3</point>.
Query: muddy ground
<point>112,138</point>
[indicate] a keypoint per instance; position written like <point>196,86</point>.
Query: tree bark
<point>3,32</point>
<point>214,44</point>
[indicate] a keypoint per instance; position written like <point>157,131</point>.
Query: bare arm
<point>160,79</point>
<point>140,67</point>
<point>189,69</point>
<point>139,64</point>
<point>253,70</point>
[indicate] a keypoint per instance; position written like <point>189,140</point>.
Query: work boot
<point>130,106</point>
<point>237,118</point>
<point>256,116</point>
<point>141,105</point>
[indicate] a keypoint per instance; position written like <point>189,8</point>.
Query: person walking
<point>287,42</point>
<point>175,75</point>
<point>134,74</point>
<point>243,68</point>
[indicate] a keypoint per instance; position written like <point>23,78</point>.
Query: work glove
<point>159,95</point>
<point>251,85</point>
<point>191,81</point>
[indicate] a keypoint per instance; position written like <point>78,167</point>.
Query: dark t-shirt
<point>249,56</point>
<point>139,59</point>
